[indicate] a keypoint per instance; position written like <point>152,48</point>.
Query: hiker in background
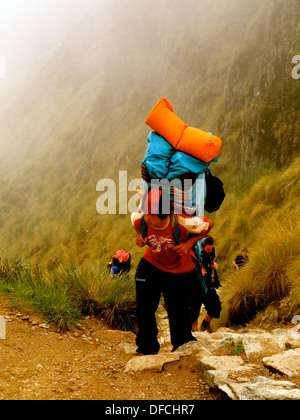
<point>168,267</point>
<point>122,261</point>
<point>241,259</point>
<point>120,264</point>
<point>209,297</point>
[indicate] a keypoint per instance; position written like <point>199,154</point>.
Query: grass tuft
<point>271,230</point>
<point>63,295</point>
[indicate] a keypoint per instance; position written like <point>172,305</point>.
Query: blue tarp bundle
<point>164,162</point>
<point>158,156</point>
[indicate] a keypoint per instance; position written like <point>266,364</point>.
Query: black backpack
<point>214,192</point>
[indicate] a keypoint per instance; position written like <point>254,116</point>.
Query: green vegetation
<point>225,67</point>
<point>64,294</point>
<point>238,349</point>
<point>267,221</point>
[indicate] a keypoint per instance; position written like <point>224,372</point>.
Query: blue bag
<point>158,156</point>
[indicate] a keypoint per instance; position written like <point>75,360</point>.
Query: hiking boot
<point>139,352</point>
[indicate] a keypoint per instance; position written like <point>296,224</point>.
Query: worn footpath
<point>39,363</point>
<point>97,363</point>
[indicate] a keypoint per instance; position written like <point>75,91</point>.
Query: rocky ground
<point>97,363</point>
<point>37,363</point>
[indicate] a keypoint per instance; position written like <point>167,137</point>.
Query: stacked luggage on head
<point>178,158</point>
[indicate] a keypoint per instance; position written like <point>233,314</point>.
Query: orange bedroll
<point>199,144</point>
<point>195,142</point>
<point>163,120</point>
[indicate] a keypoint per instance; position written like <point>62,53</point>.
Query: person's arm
<point>140,241</point>
<point>235,264</point>
<point>215,265</point>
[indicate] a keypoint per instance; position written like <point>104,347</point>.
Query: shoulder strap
<point>175,228</point>
<point>144,227</point>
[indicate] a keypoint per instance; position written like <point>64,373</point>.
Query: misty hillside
<point>78,115</point>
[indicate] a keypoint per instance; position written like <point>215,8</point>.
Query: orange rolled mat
<point>199,144</point>
<point>163,120</point>
<point>195,142</point>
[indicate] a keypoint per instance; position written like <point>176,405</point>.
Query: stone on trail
<point>151,362</point>
<point>287,362</point>
<point>218,362</point>
<point>267,389</point>
<point>2,328</point>
<point>262,345</point>
<point>194,347</point>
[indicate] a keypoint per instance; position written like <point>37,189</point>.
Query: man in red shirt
<point>165,268</point>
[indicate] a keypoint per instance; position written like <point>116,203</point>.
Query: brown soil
<point>88,364</point>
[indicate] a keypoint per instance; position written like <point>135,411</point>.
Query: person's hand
<point>215,266</point>
<point>140,241</point>
<point>203,271</point>
<point>182,249</point>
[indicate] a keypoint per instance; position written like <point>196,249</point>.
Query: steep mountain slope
<point>262,103</point>
<point>266,220</point>
<point>225,66</point>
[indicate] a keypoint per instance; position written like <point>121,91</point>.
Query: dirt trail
<point>43,364</point>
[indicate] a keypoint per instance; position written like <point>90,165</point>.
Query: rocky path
<point>96,363</point>
<point>89,364</point>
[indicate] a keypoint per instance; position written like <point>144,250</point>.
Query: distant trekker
<point>241,259</point>
<point>209,298</point>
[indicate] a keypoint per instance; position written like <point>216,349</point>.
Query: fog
<point>72,60</point>
<point>29,26</point>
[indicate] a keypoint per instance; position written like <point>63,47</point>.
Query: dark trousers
<point>210,300</point>
<point>177,291</point>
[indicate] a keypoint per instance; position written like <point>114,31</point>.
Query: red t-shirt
<point>161,242</point>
